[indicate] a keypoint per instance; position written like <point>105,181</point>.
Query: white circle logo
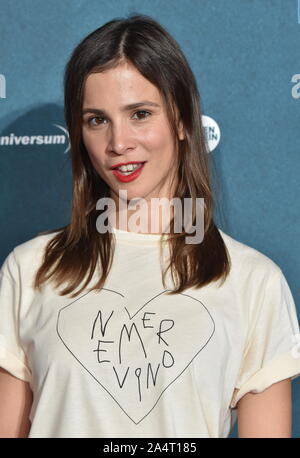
<point>66,132</point>
<point>212,132</point>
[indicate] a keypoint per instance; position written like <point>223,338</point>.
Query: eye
<point>143,111</point>
<point>94,121</point>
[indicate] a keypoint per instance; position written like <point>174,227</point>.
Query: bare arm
<point>15,404</point>
<point>266,414</point>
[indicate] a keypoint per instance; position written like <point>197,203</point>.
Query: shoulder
<point>247,260</point>
<point>36,245</point>
<point>26,257</point>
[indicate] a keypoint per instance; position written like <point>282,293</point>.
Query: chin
<point>132,192</point>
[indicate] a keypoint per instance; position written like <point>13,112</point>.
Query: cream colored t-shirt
<point>130,361</point>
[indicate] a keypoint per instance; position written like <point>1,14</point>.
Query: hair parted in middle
<point>78,248</point>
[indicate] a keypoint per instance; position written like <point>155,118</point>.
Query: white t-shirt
<point>131,361</point>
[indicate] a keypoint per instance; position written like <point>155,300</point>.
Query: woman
<point>151,336</point>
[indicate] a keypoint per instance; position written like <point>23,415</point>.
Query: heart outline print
<point>135,358</point>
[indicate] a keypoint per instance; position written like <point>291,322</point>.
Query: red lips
<point>126,163</point>
<point>132,176</point>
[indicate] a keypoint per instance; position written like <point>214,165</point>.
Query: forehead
<point>123,83</point>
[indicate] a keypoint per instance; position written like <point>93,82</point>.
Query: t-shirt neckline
<point>137,237</point>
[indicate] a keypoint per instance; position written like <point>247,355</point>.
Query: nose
<point>120,138</point>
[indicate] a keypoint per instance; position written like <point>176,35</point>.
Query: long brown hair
<point>72,255</point>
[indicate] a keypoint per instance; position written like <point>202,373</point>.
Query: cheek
<point>159,141</point>
<point>93,146</point>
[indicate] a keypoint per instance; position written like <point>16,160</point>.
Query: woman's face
<point>115,133</point>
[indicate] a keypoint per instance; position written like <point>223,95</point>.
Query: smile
<point>128,172</point>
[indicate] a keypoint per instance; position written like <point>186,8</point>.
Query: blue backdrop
<point>246,58</point>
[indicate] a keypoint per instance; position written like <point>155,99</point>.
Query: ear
<point>179,123</point>
<point>181,133</point>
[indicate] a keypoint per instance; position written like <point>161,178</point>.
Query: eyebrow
<point>131,106</point>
